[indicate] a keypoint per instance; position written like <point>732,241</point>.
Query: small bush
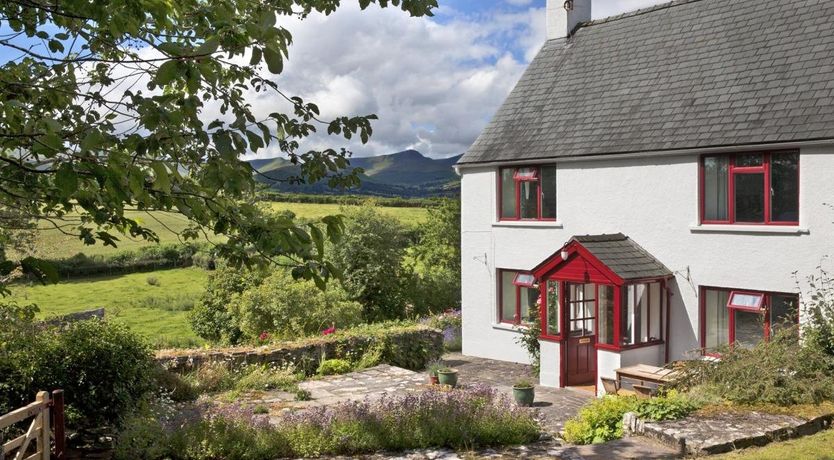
<point>175,386</point>
<point>670,406</point>
<point>264,378</point>
<point>450,322</point>
<point>103,368</point>
<point>287,308</point>
<point>464,418</point>
<point>781,371</point>
<point>153,281</point>
<point>600,421</point>
<point>211,318</point>
<point>334,367</point>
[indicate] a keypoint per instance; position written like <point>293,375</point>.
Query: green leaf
<point>208,47</point>
<point>167,72</point>
<point>162,180</point>
<point>42,269</point>
<point>274,62</point>
<point>66,179</point>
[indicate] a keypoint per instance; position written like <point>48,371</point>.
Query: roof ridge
<point>638,12</point>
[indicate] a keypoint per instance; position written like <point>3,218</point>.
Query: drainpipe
<point>668,318</point>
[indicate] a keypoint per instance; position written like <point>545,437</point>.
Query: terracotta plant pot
<point>448,377</point>
<point>524,396</point>
<point>433,379</point>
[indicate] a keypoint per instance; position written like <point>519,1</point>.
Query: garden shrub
<point>782,371</point>
<point>103,368</point>
<point>463,418</point>
<point>599,421</point>
<point>334,367</point>
<point>670,406</point>
<point>437,256</point>
<point>450,323</point>
<point>211,318</point>
<point>370,256</point>
<point>287,308</point>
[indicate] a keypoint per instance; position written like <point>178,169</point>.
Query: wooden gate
<point>47,425</point>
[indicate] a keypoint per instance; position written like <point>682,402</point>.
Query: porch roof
<point>623,256</point>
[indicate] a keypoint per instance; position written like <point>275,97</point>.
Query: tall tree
<point>102,109</point>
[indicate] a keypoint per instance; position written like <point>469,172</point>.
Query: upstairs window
<point>527,193</point>
<point>750,188</point>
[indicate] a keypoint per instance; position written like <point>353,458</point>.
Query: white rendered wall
<point>550,370</point>
<point>607,361</point>
<point>655,202</point>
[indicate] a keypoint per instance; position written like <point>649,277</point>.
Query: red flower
<point>328,331</point>
<point>263,337</point>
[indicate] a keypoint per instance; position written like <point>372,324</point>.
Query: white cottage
<point>657,178</point>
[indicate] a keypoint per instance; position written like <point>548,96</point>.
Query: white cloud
<point>434,83</point>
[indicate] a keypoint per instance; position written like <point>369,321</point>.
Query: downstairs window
<point>744,318</point>
<point>517,297</point>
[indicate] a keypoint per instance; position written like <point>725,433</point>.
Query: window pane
<point>508,306</point>
<point>784,183</point>
<point>716,319</point>
<point>606,315</point>
<point>742,300</point>
<point>628,318</point>
<point>548,174</point>
<point>784,312</point>
<point>529,296</point>
<point>655,301</point>
<point>529,200</point>
<point>749,160</point>
<point>552,308</point>
<point>749,328</point>
<point>643,313</point>
<point>715,188</point>
<point>508,185</point>
<point>749,190</point>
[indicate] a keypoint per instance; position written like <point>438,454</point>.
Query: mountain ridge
<point>408,173</point>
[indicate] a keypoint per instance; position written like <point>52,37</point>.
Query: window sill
<point>508,327</point>
<point>529,223</point>
<point>769,229</point>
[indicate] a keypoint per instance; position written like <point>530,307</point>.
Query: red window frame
<point>517,316</point>
<point>537,177</point>
<point>759,307</point>
<point>733,171</point>
<point>765,310</point>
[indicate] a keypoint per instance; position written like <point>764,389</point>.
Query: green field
<point>52,244</point>
<point>408,216</point>
<point>156,311</point>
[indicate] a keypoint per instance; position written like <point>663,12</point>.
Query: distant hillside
<point>406,174</point>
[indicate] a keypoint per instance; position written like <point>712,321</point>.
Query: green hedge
<point>400,344</point>
<point>147,258</point>
<point>351,200</point>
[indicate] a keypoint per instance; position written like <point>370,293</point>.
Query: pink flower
<point>263,337</point>
<point>328,331</point>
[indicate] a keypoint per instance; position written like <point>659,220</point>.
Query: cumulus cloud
<point>433,82</point>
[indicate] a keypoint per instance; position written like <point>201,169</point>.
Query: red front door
<point>581,363</point>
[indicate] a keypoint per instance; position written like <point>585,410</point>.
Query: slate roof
<point>623,256</point>
<point>683,75</point>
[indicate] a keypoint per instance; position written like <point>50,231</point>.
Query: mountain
<point>405,174</point>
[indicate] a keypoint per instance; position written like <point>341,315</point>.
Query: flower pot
<point>449,377</point>
<point>433,379</point>
<point>524,396</point>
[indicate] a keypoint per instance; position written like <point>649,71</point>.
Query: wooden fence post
<point>58,424</point>
<point>44,446</point>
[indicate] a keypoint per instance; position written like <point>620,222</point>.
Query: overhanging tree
<point>103,109</point>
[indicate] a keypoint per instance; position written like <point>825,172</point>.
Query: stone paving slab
<point>724,432</point>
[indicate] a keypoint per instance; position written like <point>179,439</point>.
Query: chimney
<point>564,15</point>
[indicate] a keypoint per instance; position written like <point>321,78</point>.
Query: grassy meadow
<point>154,304</point>
<point>158,311</point>
<point>52,244</point>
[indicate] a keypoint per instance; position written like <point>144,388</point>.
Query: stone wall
<point>411,347</point>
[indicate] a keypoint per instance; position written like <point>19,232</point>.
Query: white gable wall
<point>655,202</point>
